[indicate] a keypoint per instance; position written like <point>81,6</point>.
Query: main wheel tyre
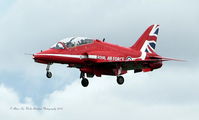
<point>120,80</point>
<point>48,74</point>
<point>84,82</point>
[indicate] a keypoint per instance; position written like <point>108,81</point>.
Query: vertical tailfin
<point>147,42</point>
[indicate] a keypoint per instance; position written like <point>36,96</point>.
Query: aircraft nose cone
<point>35,57</point>
<point>39,58</point>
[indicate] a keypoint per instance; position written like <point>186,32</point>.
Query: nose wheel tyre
<point>48,74</point>
<point>120,80</point>
<point>85,82</point>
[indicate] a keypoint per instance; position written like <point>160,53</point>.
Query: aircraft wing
<point>152,59</point>
<point>135,64</point>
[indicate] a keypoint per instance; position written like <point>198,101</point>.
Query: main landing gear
<point>48,73</point>
<point>120,80</point>
<point>84,81</point>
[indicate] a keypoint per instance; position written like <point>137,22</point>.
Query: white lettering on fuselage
<point>101,57</point>
<point>111,58</point>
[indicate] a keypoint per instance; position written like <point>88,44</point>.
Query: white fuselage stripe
<point>62,55</point>
<point>71,56</point>
<point>143,56</point>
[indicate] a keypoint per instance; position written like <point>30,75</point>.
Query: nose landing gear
<point>48,73</point>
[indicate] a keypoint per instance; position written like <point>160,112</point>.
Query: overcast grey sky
<point>28,26</point>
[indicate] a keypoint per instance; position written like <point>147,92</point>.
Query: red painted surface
<point>102,58</point>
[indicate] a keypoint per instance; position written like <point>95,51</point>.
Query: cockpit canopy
<point>72,42</point>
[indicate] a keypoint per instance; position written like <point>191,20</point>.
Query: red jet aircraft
<point>96,57</point>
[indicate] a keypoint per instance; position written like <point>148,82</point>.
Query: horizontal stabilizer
<point>166,59</point>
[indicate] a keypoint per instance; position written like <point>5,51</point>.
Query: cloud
<point>143,96</point>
